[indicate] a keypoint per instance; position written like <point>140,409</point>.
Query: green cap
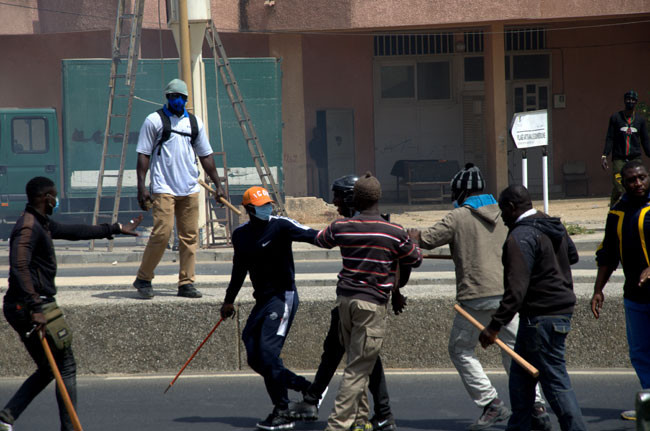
<point>176,86</point>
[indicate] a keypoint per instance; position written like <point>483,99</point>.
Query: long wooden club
<point>59,383</point>
<point>193,355</point>
<point>514,355</point>
<point>222,200</point>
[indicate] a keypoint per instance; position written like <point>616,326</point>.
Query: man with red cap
<point>263,251</point>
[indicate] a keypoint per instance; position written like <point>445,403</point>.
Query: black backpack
<point>167,130</point>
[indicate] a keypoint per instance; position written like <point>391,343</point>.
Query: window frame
<point>46,133</point>
<point>414,61</point>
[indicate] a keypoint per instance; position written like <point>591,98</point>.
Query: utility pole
<point>188,22</point>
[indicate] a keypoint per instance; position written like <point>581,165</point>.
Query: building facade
<point>387,81</point>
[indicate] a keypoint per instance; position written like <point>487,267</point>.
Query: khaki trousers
<point>362,329</point>
<point>186,211</point>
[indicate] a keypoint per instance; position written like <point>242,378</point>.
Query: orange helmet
<point>256,196</point>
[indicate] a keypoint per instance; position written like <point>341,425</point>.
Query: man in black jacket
<point>537,259</point>
<point>627,133</point>
<point>32,268</point>
<point>263,251</point>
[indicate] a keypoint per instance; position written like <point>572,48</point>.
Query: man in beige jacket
<point>475,234</point>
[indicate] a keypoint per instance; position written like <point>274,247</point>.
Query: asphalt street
<point>221,268</point>
<point>421,400</point>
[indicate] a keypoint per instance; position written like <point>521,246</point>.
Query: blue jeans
<point>541,341</point>
<point>637,322</point>
<point>20,319</point>
<point>264,334</point>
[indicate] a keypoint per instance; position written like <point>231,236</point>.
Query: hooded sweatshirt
<point>475,234</point>
<point>537,259</point>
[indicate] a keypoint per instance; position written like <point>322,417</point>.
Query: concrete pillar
<point>289,49</point>
<point>495,110</point>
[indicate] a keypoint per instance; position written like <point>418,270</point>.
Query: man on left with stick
<point>32,268</point>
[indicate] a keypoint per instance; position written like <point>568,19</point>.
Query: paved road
<point>420,401</point>
<point>223,268</point>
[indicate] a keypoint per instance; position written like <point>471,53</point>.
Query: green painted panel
<point>85,101</point>
<point>259,80</point>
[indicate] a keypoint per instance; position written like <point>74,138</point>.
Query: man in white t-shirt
<point>170,141</point>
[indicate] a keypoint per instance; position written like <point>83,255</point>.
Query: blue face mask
<point>264,212</point>
<point>176,104</point>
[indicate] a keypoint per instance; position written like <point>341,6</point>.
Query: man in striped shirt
<point>371,249</point>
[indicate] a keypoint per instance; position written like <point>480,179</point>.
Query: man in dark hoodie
<point>537,259</point>
<point>625,242</point>
<point>475,234</point>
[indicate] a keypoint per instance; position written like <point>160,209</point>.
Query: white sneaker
<point>4,426</point>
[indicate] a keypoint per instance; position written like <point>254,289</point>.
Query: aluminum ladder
<point>222,64</point>
<point>126,47</point>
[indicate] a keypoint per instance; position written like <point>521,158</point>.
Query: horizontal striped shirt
<point>371,249</point>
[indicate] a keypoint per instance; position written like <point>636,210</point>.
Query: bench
<point>430,176</point>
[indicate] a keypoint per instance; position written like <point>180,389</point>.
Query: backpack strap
<point>167,130</point>
<point>195,128</point>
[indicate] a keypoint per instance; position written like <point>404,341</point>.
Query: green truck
<point>30,145</point>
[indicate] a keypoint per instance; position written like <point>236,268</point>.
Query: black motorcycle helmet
<point>343,189</point>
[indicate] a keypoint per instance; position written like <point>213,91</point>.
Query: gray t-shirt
<point>175,170</point>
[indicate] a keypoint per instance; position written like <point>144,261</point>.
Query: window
<point>537,66</point>
<point>433,81</point>
<point>474,69</point>
<point>397,82</point>
<point>426,80</point>
<point>29,135</point>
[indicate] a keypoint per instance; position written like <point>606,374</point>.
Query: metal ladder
<point>126,46</point>
<point>243,118</point>
<point>217,215</point>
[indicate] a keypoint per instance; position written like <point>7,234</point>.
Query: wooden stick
<point>222,200</point>
<point>436,256</point>
<point>514,355</point>
<point>59,383</point>
<point>193,355</point>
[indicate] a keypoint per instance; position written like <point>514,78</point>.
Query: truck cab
<point>29,147</point>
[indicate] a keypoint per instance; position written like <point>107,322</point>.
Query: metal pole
<point>545,178</point>
<point>524,169</point>
<point>186,65</point>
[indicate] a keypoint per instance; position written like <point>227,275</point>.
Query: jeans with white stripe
<point>264,334</point>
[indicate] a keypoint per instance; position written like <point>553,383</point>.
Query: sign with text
<point>530,129</point>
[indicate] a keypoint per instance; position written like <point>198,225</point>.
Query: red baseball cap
<point>256,196</point>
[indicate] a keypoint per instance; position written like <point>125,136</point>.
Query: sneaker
<point>361,426</point>
<point>385,424</point>
<point>277,420</point>
<point>303,410</point>
<point>627,415</point>
<point>144,288</point>
<point>189,291</point>
<point>541,420</point>
<point>4,426</point>
<point>494,412</point>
